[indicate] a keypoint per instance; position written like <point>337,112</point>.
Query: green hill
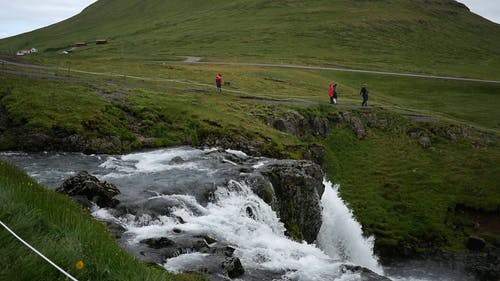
<point>427,36</point>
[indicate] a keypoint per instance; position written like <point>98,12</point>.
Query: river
<point>184,192</point>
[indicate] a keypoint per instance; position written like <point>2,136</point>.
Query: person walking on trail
<point>218,82</point>
<point>364,94</point>
<point>333,93</point>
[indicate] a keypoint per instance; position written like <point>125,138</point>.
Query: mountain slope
<point>431,36</point>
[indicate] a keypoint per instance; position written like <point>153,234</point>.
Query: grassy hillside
<point>432,36</point>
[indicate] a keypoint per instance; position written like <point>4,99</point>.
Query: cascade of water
<point>259,239</point>
<point>234,215</point>
<point>341,236</point>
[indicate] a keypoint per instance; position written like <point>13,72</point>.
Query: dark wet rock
<point>421,136</point>
<point>176,230</point>
<point>158,243</point>
<point>159,206</point>
<point>319,126</point>
<point>108,145</point>
<point>365,273</point>
<point>233,267</point>
<point>245,170</point>
<point>84,184</point>
<point>219,257</point>
<point>298,186</point>
<point>180,220</point>
<point>228,251</point>
<point>358,128</point>
<point>176,160</point>
<point>250,212</point>
<point>357,125</point>
<point>374,121</point>
<point>316,153</point>
<point>34,141</point>
<point>147,142</point>
<point>295,124</point>
<point>292,123</point>
<point>281,125</point>
<point>207,239</point>
<point>76,142</point>
<point>263,188</point>
<point>475,243</point>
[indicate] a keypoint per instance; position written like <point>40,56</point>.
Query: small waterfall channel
<point>200,205</point>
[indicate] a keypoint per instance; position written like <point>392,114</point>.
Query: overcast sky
<point>19,16</point>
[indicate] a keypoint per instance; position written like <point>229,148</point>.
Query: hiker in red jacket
<point>333,93</point>
<point>218,82</point>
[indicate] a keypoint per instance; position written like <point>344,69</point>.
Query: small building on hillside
<point>27,52</point>
<point>101,41</point>
<point>80,44</point>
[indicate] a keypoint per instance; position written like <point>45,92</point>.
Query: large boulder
<point>292,123</point>
<point>475,243</point>
<point>319,126</point>
<point>298,187</point>
<point>87,187</point>
<point>233,267</point>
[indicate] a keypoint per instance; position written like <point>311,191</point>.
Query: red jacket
<point>218,80</point>
<point>332,90</point>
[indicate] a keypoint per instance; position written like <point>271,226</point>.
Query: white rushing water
<point>341,236</point>
<point>259,240</point>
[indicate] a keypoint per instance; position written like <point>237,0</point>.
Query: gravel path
<point>344,70</point>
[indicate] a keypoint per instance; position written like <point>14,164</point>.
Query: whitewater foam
<point>341,236</point>
<point>259,239</point>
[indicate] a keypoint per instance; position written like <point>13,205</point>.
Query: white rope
<point>38,253</point>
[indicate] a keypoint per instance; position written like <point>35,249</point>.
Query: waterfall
<point>341,235</point>
<point>259,239</point>
<point>165,194</point>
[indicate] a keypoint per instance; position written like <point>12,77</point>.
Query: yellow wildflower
<point>79,265</point>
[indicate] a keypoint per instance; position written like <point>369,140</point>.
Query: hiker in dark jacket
<point>333,93</point>
<point>218,82</point>
<point>364,94</point>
